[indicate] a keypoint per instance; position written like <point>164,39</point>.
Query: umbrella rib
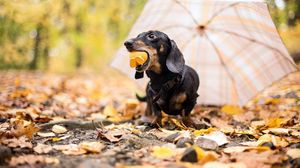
<point>220,11</point>
<point>223,63</point>
<point>175,26</point>
<point>187,10</point>
<point>258,42</point>
<point>241,20</point>
<point>185,44</point>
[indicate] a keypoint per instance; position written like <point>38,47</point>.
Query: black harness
<point>161,95</point>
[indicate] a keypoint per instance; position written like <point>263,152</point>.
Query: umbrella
<point>233,45</point>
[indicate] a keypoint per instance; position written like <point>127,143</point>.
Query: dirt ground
<point>92,120</point>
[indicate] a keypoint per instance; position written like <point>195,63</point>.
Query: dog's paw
<point>189,122</point>
<point>151,121</point>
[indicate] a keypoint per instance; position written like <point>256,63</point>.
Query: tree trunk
<point>78,57</point>
<point>36,49</point>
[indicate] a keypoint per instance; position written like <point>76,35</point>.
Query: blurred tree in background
<point>63,35</point>
<point>286,15</point>
<point>66,35</point>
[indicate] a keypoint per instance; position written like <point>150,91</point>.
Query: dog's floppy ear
<point>175,60</point>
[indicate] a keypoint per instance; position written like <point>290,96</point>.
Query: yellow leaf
<point>56,139</point>
<point>232,110</point>
<point>204,131</point>
<point>277,141</point>
<point>275,122</point>
<point>200,152</point>
<point>273,101</point>
<point>162,152</point>
<point>137,58</point>
<point>111,113</point>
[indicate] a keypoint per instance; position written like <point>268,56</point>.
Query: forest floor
<point>51,120</point>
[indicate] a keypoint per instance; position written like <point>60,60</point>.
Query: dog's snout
<point>128,43</point>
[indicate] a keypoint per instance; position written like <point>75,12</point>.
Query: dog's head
<point>163,53</point>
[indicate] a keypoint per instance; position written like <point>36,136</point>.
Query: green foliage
<point>63,35</point>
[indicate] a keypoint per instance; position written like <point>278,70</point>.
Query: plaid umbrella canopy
<point>233,45</point>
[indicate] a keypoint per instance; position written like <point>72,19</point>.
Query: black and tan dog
<point>173,85</point>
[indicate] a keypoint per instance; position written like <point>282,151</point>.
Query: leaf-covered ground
<point>84,120</point>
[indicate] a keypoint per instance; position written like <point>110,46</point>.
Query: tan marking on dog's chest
<point>180,98</point>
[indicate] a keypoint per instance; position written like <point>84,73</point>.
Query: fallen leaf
<point>217,136</point>
<point>293,153</point>
<point>275,122</point>
<point>276,140</point>
<point>224,165</point>
<point>92,147</point>
<point>21,142</point>
<point>279,131</point>
<point>56,139</point>
<point>239,149</point>
<point>70,149</point>
<point>32,160</point>
<point>162,152</point>
<point>232,110</point>
<point>111,113</point>
<point>42,148</point>
<point>45,134</point>
<point>59,129</point>
<point>254,159</point>
<point>28,130</point>
<point>204,131</point>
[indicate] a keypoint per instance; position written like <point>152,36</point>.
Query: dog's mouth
<point>145,65</point>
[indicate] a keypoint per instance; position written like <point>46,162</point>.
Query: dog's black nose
<point>128,43</point>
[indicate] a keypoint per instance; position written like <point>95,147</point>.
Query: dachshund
<point>173,85</point>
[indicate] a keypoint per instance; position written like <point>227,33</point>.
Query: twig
<point>72,124</point>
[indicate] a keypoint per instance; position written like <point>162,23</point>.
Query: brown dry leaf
<point>28,130</point>
<point>293,153</point>
<point>42,148</point>
<point>258,124</point>
<point>255,159</point>
<point>70,149</point>
<point>92,147</point>
<point>239,149</point>
<point>279,131</point>
<point>21,142</point>
<point>224,165</point>
<point>232,110</point>
<point>113,135</point>
<point>32,160</point>
<point>59,129</point>
<point>130,108</point>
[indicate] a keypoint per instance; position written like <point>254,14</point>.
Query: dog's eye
<point>151,36</point>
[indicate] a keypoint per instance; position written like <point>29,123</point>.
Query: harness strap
<point>168,86</point>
